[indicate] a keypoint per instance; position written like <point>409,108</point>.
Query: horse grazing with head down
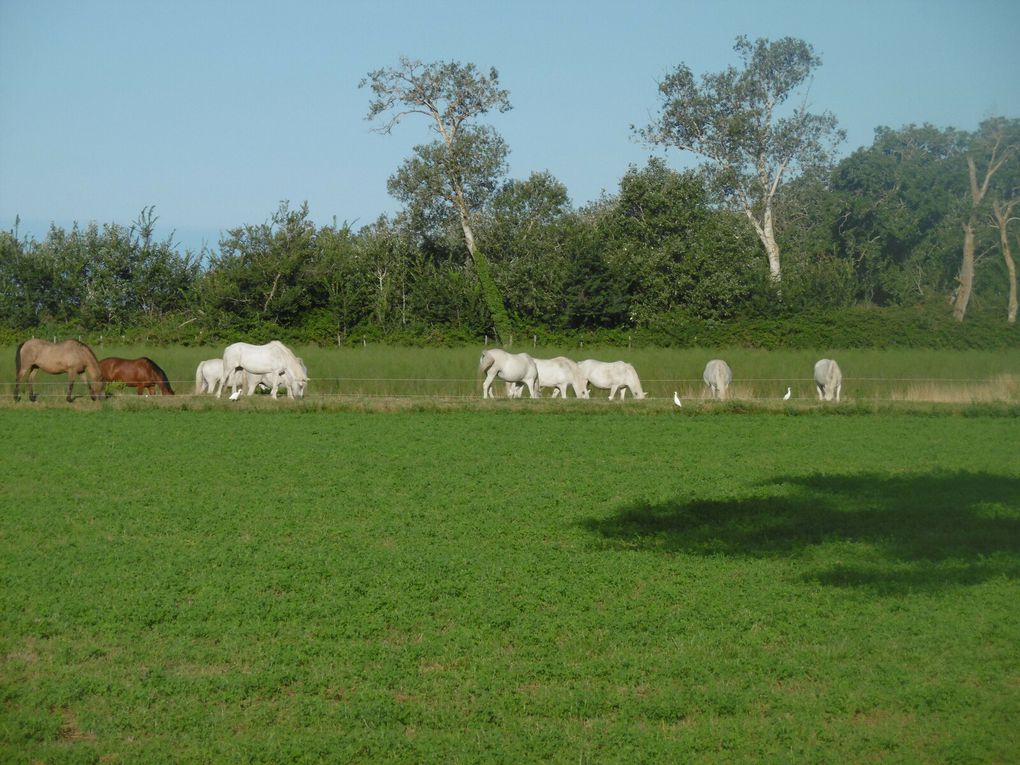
<point>70,356</point>
<point>828,380</point>
<point>274,359</point>
<point>614,375</point>
<point>558,374</point>
<point>208,376</point>
<point>512,367</point>
<point>718,377</point>
<point>142,373</point>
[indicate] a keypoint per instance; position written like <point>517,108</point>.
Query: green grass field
<point>507,584</point>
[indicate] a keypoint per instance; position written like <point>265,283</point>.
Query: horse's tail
<point>164,383</point>
<point>17,358</point>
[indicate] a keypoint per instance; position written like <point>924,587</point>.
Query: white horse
<point>209,373</point>
<point>512,367</point>
<point>557,373</point>
<point>828,379</point>
<point>274,359</point>
<point>614,375</point>
<point>208,376</point>
<point>718,377</point>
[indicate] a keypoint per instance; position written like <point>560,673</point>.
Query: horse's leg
<point>224,381</point>
<point>487,383</point>
<point>70,385</point>
<point>31,383</point>
<point>612,391</point>
<point>819,389</point>
<point>839,387</point>
<point>532,386</point>
<point>17,382</point>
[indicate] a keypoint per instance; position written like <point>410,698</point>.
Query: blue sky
<point>216,111</point>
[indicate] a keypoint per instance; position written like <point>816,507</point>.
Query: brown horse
<point>70,356</point>
<point>143,374</point>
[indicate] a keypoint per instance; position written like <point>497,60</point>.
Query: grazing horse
<point>209,373</point>
<point>274,359</point>
<point>558,374</point>
<point>208,376</point>
<point>718,377</point>
<point>512,367</point>
<point>70,356</point>
<point>828,380</point>
<point>614,375</point>
<point>142,373</point>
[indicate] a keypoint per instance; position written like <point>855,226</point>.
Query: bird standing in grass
<point>676,398</point>
<point>789,392</point>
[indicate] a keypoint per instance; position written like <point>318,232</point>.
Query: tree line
<point>770,225</point>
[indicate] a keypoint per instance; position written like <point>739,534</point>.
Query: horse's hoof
<point>32,397</point>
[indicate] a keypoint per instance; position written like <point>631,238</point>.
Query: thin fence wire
<point>872,389</point>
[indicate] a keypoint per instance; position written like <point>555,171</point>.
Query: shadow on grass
<point>890,534</point>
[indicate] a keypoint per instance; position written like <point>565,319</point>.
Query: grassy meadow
<point>504,582</point>
<point>759,376</point>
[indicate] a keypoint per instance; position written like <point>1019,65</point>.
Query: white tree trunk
<point>765,229</point>
<point>966,277</point>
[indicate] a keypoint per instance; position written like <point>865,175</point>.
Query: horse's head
<point>297,379</point>
<point>97,389</point>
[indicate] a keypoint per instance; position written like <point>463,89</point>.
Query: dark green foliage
<point>97,278</point>
<point>901,204</point>
<point>867,327</point>
<point>871,257</point>
<point>660,237</point>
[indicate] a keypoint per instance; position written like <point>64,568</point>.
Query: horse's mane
<point>89,353</point>
<point>159,370</point>
<point>295,360</point>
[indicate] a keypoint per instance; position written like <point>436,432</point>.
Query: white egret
<point>676,398</point>
<point>789,393</point>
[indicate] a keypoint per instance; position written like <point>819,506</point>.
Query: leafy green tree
<point>815,272</point>
<point>995,148</point>
<point>25,283</point>
<point>161,279</point>
<point>257,280</point>
<point>453,176</point>
<point>96,277</point>
<point>1002,214</point>
<point>675,253</point>
<point>530,233</point>
<point>895,213</point>
<point>732,119</point>
<point>338,278</point>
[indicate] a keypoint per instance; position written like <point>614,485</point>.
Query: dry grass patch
<point>1000,388</point>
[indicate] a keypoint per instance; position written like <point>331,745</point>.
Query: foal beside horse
<point>142,373</point>
<point>70,356</point>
